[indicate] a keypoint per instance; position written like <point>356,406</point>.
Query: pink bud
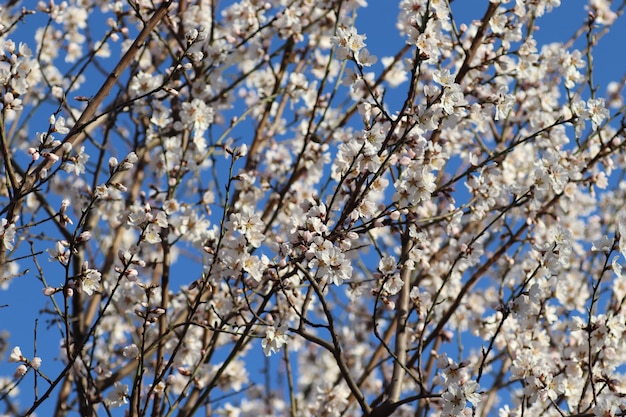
<point>48,291</point>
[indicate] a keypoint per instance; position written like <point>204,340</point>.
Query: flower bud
<point>84,236</point>
<point>113,163</point>
<point>35,362</point>
<point>48,291</point>
<point>21,371</point>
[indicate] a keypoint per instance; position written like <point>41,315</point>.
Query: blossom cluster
<point>238,208</point>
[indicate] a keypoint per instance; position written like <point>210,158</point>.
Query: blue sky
<point>378,22</point>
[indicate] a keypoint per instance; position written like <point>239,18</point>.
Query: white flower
<point>330,262</point>
<point>118,396</point>
<point>416,185</point>
<point>603,244</point>
<point>470,391</point>
<point>606,406</point>
<point>443,77</point>
<point>597,112</point>
<point>452,97</point>
<point>59,125</point>
<point>16,355</point>
<point>454,400</point>
<point>254,266</point>
<point>274,339</point>
<point>504,103</point>
<point>498,22</point>
<point>59,252</point>
<point>7,231</point>
<point>347,41</point>
<point>131,351</point>
<point>197,115</point>
<point>76,164</point>
<point>152,233</point>
<point>365,58</point>
<point>144,83</point>
<point>393,285</point>
<point>91,281</point>
<point>387,265</point>
<point>251,226</point>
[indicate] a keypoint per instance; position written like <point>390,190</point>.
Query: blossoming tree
<point>234,208</point>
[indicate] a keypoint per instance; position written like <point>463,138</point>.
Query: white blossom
<point>275,338</point>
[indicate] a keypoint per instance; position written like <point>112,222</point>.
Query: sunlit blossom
<point>443,230</point>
